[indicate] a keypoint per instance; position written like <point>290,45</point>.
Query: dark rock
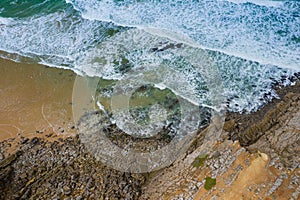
<point>24,140</point>
<point>5,175</point>
<point>49,135</point>
<point>34,141</point>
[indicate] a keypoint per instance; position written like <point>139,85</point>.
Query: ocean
<point>191,47</point>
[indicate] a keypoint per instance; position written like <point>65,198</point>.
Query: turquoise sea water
<point>253,44</point>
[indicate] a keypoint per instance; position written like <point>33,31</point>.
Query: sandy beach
<point>34,99</point>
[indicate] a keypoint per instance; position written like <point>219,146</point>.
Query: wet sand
<point>34,99</point>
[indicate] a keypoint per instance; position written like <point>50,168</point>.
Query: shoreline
<point>61,144</point>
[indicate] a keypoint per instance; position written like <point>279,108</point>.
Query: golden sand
<point>34,99</point>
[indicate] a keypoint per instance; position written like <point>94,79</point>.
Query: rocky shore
<point>65,170</point>
<point>257,157</point>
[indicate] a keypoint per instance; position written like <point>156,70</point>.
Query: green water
<point>141,100</point>
<point>28,8</point>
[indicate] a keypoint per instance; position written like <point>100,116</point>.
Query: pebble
<point>67,190</point>
<point>24,140</point>
<point>216,165</point>
<point>34,141</point>
<point>79,197</point>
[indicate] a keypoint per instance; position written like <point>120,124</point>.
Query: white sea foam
<point>268,3</point>
<point>247,82</point>
<point>259,33</point>
<point>56,39</point>
<point>5,21</point>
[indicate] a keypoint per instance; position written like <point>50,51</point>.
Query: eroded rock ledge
<point>274,129</point>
